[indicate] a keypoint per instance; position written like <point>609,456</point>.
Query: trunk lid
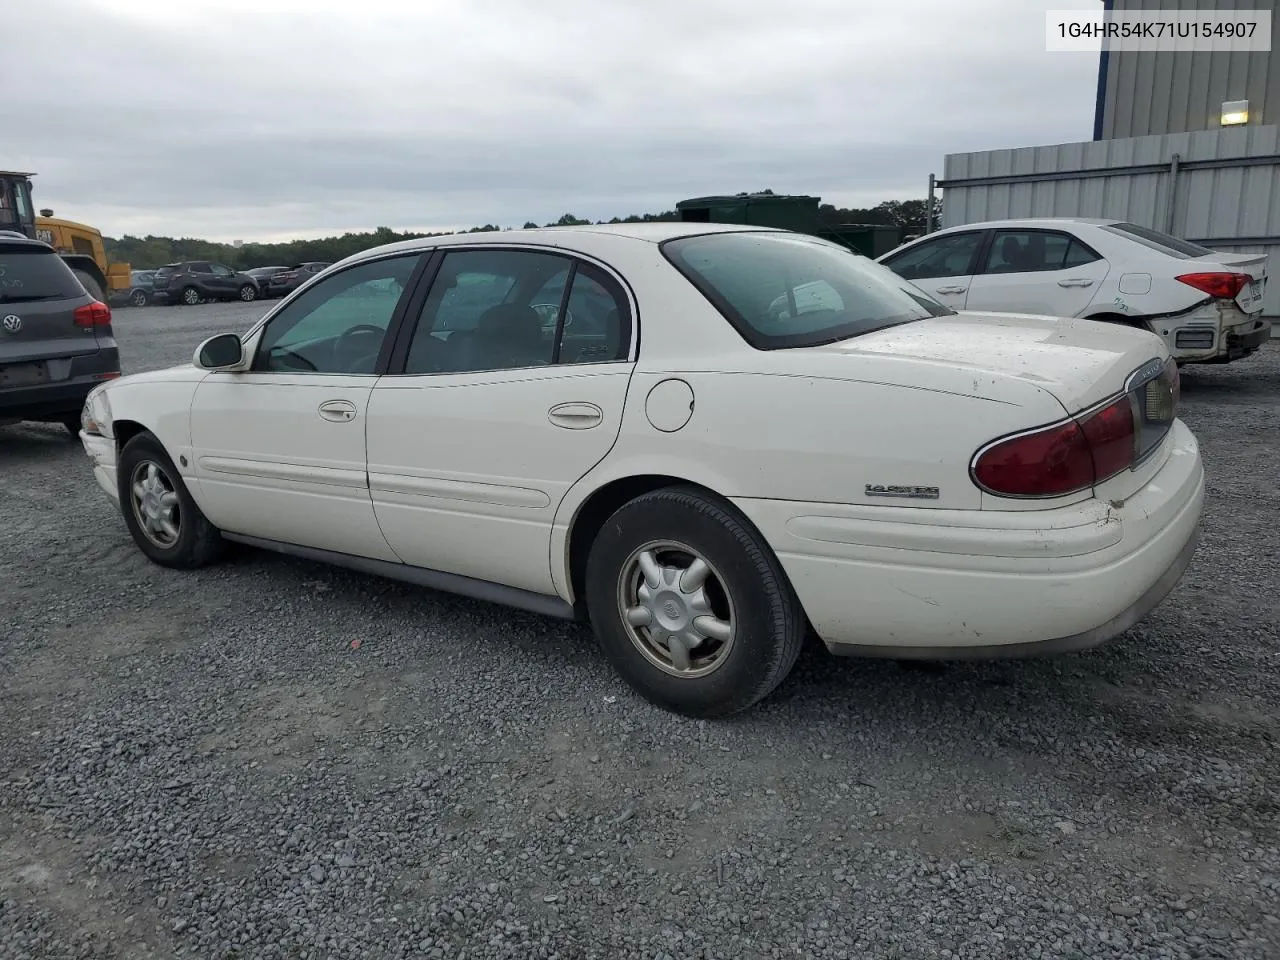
<point>1079,362</point>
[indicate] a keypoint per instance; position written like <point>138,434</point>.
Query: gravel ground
<point>203,765</point>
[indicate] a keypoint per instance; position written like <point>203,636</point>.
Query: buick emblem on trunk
<point>12,323</point>
<point>906,493</point>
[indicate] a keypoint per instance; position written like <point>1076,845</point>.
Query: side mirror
<point>220,352</point>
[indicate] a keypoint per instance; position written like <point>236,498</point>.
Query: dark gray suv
<point>56,342</point>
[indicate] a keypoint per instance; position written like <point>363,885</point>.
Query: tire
<point>190,296</point>
<point>138,298</point>
<point>72,423</point>
<point>745,586</point>
<point>197,543</point>
<point>248,293</point>
<point>90,284</point>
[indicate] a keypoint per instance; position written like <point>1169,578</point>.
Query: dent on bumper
<point>102,452</point>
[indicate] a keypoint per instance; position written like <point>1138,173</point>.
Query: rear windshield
<point>30,273</point>
<point>1170,246</point>
<point>787,290</point>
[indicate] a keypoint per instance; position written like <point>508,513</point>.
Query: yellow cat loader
<point>78,244</point>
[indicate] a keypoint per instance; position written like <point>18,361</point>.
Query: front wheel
<point>248,293</point>
<point>164,521</point>
<point>138,298</point>
<point>690,605</point>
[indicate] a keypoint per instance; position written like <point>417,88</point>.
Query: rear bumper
<point>1245,340</point>
<point>60,398</point>
<point>1213,332</point>
<point>914,582</point>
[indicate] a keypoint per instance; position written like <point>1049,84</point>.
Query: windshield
<point>1170,246</point>
<point>788,290</point>
<point>35,273</point>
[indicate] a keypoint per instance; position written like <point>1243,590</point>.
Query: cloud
<point>245,120</point>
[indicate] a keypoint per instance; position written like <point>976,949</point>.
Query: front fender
<point>158,402</point>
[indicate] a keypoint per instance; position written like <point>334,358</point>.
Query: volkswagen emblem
<point>12,323</point>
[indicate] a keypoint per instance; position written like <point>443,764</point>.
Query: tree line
<point>148,252</point>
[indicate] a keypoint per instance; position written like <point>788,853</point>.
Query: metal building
<point>1142,93</point>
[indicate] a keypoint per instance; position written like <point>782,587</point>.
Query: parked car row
<point>200,281</point>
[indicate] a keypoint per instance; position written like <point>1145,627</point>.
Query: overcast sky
<point>275,119</point>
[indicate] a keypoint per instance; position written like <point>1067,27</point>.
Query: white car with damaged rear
<point>1205,304</point>
<point>706,440</point>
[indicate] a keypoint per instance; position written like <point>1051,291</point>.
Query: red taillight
<point>1062,459</point>
<point>95,314</point>
<point>1110,436</point>
<point>1221,286</point>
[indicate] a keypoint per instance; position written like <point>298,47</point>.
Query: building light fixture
<point>1235,112</point>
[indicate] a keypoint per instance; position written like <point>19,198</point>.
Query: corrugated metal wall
<point>1153,93</point>
<point>1226,192</point>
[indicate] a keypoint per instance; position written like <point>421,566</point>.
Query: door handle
<point>338,411</point>
<point>575,416</point>
<point>952,289</point>
<point>1076,282</point>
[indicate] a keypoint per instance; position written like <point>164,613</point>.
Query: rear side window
<point>34,274</point>
<point>784,290</point>
<point>1036,251</point>
<point>1163,242</point>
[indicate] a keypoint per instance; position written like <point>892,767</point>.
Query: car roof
<point>655,232</point>
<point>1047,222</point>
<point>14,240</point>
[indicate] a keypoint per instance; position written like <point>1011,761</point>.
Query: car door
<point>224,282</point>
<point>280,447</point>
<point>508,392</point>
<point>1050,272</point>
<point>941,266</point>
<point>200,275</point>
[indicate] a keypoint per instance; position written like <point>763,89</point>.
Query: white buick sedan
<point>706,440</point>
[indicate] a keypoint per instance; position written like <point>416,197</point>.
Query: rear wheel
<point>164,521</point>
<point>138,298</point>
<point>1121,320</point>
<point>690,605</point>
<point>248,293</point>
<point>90,284</point>
<point>191,296</point>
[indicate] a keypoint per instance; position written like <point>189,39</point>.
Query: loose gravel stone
<point>203,764</point>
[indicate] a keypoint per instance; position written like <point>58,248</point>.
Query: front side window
<point>219,270</point>
<point>338,325</point>
<point>782,290</point>
<point>949,256</point>
<point>489,310</point>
